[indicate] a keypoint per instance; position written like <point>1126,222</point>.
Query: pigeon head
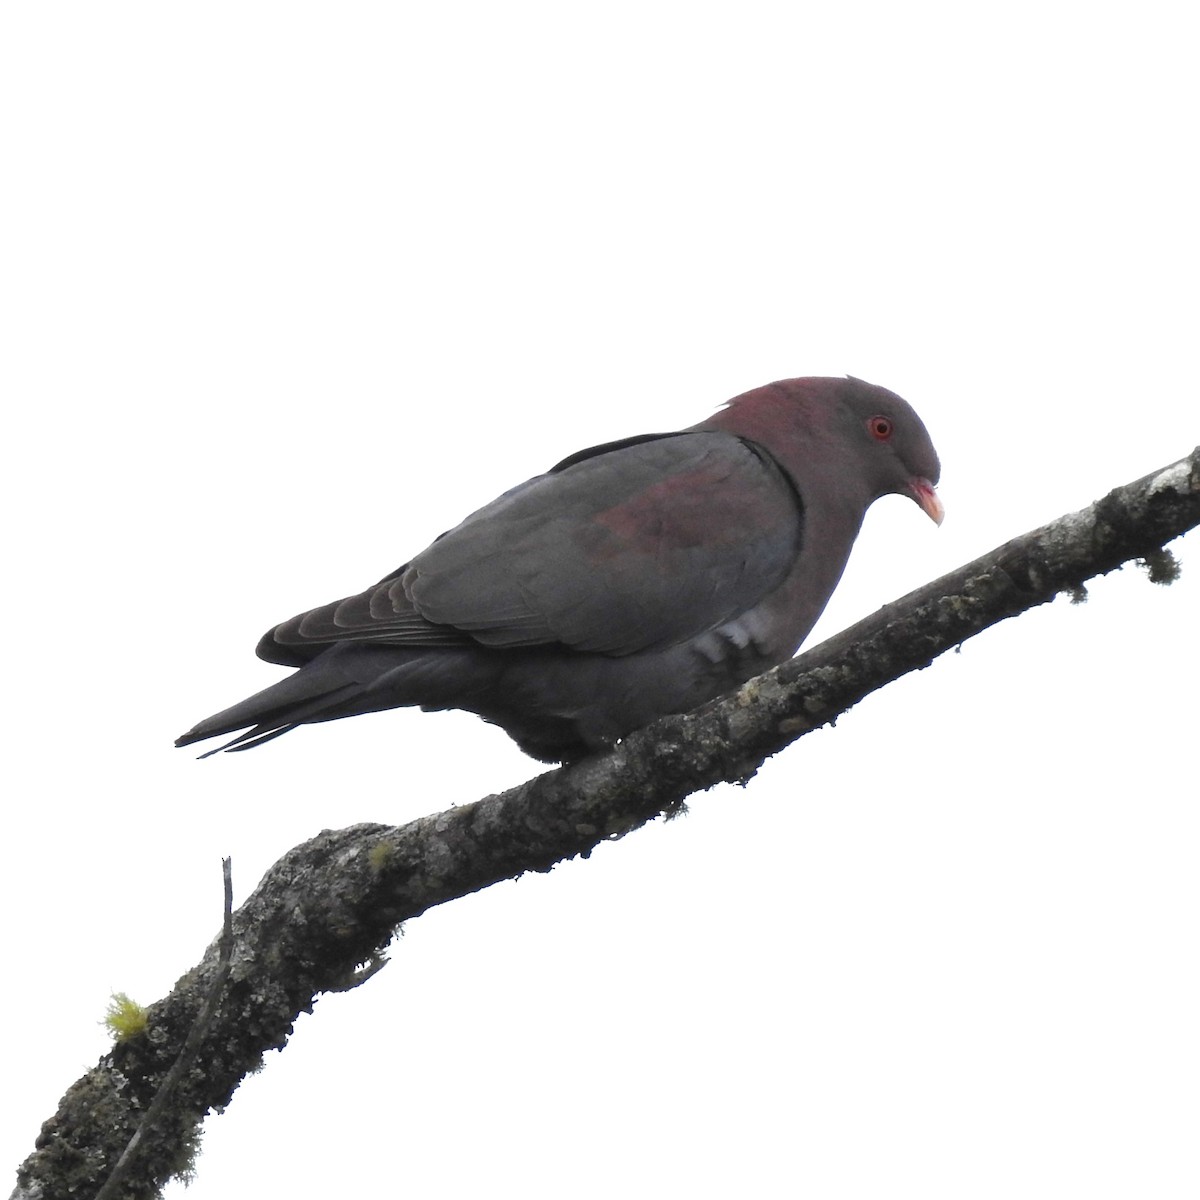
<point>840,437</point>
<point>891,443</point>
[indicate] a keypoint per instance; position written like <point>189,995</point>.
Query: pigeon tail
<point>273,711</point>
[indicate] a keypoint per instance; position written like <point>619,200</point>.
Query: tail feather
<point>248,740</point>
<point>343,681</point>
<point>310,694</point>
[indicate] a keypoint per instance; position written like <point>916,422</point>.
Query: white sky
<point>289,289</point>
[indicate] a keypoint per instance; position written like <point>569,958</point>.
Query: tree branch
<point>112,1186</point>
<point>334,902</point>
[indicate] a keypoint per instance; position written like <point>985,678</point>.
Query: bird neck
<point>799,434</point>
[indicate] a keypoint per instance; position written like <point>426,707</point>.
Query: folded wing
<point>620,549</point>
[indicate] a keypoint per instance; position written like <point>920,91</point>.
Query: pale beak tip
<point>926,496</point>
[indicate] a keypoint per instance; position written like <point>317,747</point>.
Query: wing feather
<point>629,547</point>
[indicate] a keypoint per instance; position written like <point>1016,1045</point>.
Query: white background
<point>289,289</point>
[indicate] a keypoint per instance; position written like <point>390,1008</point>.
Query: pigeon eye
<point>880,428</point>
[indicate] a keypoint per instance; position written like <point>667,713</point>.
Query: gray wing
<point>626,548</point>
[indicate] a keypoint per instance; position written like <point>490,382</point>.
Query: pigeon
<point>634,579</point>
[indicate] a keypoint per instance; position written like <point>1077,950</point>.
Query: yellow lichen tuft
<point>124,1018</point>
<point>379,855</point>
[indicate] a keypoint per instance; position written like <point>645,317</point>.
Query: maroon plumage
<point>632,580</point>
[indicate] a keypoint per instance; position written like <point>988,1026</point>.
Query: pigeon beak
<point>924,493</point>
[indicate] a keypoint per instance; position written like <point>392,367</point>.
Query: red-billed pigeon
<point>635,579</point>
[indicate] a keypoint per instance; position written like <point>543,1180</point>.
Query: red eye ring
<point>880,428</point>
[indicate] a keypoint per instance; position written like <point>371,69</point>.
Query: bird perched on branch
<point>634,579</point>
